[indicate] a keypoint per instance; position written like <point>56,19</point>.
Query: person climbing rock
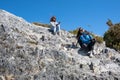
<point>55,26</point>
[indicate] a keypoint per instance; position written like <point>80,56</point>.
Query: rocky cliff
<point>30,52</point>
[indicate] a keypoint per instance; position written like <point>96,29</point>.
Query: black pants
<point>91,44</point>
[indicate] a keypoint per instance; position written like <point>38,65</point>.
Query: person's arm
<point>83,41</point>
<point>82,38</point>
<point>57,23</point>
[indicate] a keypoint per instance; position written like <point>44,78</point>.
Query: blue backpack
<point>86,38</point>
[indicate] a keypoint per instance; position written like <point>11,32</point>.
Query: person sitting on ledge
<point>55,26</point>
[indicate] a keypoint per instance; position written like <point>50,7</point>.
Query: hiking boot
<point>54,33</point>
<point>90,54</point>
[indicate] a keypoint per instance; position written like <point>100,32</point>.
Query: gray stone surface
<point>30,52</point>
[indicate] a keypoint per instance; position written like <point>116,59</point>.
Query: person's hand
<point>84,45</point>
<point>58,22</point>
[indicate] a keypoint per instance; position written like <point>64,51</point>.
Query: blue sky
<point>89,14</point>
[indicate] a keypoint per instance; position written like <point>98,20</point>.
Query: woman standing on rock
<point>55,26</point>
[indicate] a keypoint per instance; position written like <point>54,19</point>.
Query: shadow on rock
<point>83,52</point>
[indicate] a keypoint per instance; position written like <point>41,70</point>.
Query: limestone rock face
<point>30,52</point>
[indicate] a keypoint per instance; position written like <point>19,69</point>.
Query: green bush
<point>74,31</point>
<point>99,39</point>
<point>112,36</point>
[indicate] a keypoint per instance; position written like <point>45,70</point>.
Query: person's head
<point>53,19</point>
<point>80,30</point>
